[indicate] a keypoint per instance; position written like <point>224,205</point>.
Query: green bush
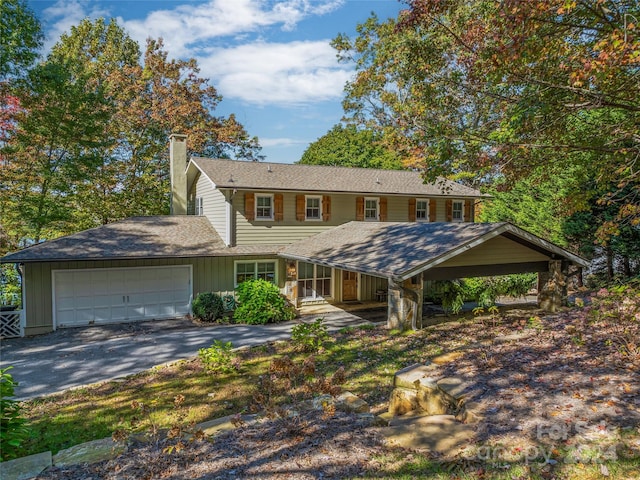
<point>309,337</point>
<point>12,425</point>
<point>260,302</point>
<point>218,358</point>
<point>207,307</point>
<point>10,292</point>
<point>453,296</point>
<point>483,290</point>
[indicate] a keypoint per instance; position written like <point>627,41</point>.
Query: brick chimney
<point>178,174</point>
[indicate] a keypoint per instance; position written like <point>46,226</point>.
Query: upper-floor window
<point>371,208</point>
<point>199,206</point>
<point>313,207</point>
<point>264,207</point>
<point>457,211</point>
<point>422,209</point>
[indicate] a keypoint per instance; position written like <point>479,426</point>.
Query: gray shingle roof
<point>400,250</point>
<point>314,178</point>
<point>138,237</point>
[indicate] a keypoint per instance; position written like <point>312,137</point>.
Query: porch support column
<point>552,286</point>
<point>405,304</point>
<point>291,282</point>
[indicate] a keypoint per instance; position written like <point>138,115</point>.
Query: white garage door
<point>110,295</point>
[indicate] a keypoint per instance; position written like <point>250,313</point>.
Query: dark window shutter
<point>467,211</point>
<point>326,208</point>
<point>383,209</point>
<point>449,205</point>
<point>301,207</point>
<point>412,209</point>
<point>432,209</point>
<point>250,206</point>
<point>360,208</point>
<point>278,214</point>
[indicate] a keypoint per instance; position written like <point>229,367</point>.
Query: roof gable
<point>401,250</point>
<point>238,174</point>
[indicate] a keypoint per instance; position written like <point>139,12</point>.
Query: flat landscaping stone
<point>25,467</point>
<point>471,413</point>
<point>435,433</point>
<point>512,337</point>
<point>89,452</point>
<point>383,419</point>
<point>456,387</point>
<point>433,401</point>
<point>418,372</point>
<point>349,402</point>
<point>447,357</point>
<point>403,400</point>
<point>224,424</point>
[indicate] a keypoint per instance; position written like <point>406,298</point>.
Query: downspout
<point>23,305</point>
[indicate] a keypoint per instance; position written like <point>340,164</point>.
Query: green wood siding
<point>496,251</point>
<point>369,285</point>
<point>213,202</point>
<point>210,274</point>
<point>343,210</point>
<point>259,232</point>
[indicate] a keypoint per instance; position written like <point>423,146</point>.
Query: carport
<point>407,254</point>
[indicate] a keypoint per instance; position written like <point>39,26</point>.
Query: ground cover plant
<point>567,390</point>
<point>12,424</point>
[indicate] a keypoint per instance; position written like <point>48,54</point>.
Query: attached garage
<point>111,295</point>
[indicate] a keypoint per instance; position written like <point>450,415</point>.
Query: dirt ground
<point>566,388</point>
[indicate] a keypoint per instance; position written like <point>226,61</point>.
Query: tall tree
<point>349,146</point>
<point>503,86</point>
<point>92,142</point>
<point>150,100</point>
<point>60,128</point>
<point>20,38</point>
<point>539,203</point>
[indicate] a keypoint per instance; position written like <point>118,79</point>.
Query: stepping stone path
<point>436,414</point>
<point>427,413</point>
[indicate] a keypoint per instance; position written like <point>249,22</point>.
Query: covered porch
<point>408,254</point>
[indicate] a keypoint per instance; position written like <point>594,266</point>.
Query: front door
<point>349,286</point>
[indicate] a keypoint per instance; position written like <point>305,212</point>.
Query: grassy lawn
<point>369,356</point>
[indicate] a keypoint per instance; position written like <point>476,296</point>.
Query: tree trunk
<point>626,267</point>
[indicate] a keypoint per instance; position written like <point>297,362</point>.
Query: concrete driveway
<point>74,357</point>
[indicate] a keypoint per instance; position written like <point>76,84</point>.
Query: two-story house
<point>322,234</point>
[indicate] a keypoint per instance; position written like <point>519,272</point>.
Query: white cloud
<point>259,72</point>
<point>64,14</point>
<point>281,142</point>
<point>187,26</point>
<point>262,73</point>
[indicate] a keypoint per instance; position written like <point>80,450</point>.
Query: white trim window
<point>199,206</point>
<point>313,207</point>
<point>264,269</point>
<point>371,209</point>
<point>264,207</point>
<point>314,281</point>
<point>422,209</point>
<point>457,211</point>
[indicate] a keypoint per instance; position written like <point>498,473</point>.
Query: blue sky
<point>270,60</point>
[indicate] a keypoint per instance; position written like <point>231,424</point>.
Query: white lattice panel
<point>10,324</point>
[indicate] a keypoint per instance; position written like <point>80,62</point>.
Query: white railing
<point>11,324</point>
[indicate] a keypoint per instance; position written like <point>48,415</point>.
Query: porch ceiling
<point>402,250</point>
